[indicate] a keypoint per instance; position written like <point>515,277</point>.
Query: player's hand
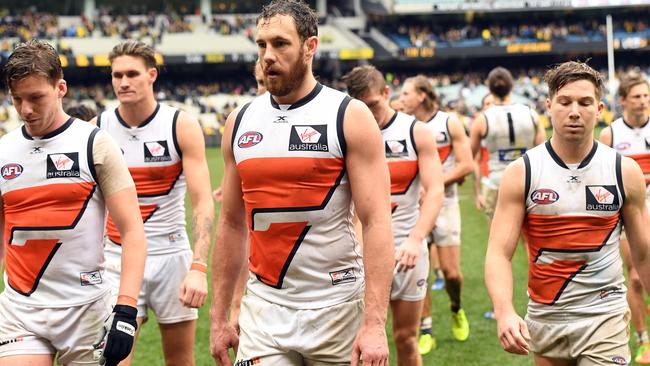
<point>217,194</point>
<point>115,338</point>
<point>407,254</point>
<point>513,333</point>
<point>223,336</point>
<point>480,201</point>
<point>370,347</point>
<point>194,289</point>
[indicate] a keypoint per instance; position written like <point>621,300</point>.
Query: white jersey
<point>291,160</point>
<point>634,142</point>
<point>439,124</point>
<point>404,177</point>
<point>510,132</point>
<point>154,159</point>
<point>53,217</point>
<point>573,226</point>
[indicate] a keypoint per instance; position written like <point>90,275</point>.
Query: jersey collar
<point>561,163</point>
<point>56,132</point>
<point>143,123</point>
<point>304,100</point>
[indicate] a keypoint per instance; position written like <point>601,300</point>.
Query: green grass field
<point>482,348</point>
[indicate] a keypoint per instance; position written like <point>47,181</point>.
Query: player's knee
<point>452,275</point>
<point>635,284</point>
<point>406,338</point>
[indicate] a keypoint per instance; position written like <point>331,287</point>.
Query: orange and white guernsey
<point>404,178</point>
<point>573,226</point>
<point>633,142</point>
<point>291,160</point>
<point>439,124</point>
<point>510,132</point>
<point>53,217</point>
<point>154,159</point>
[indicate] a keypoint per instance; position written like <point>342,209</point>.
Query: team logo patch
<point>442,137</point>
<point>618,360</point>
<point>249,362</point>
<point>90,278</point>
<point>396,148</point>
<point>156,151</point>
<point>602,198</point>
<point>11,171</point>
<point>511,154</point>
<point>343,276</point>
<point>544,196</point>
<point>421,282</point>
<point>623,146</point>
<point>249,139</point>
<point>308,138</point>
<point>63,165</point>
<point>36,150</point>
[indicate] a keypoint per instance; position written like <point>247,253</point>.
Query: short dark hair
<point>500,82</point>
<point>304,17</point>
<point>134,48</point>
<point>571,71</point>
<point>630,80</point>
<point>34,57</point>
<point>363,78</point>
<point>81,112</point>
<point>422,84</point>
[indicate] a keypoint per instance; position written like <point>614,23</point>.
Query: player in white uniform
<point>570,195</point>
<point>507,129</point>
<point>414,166</point>
<point>630,136</point>
<point>59,175</point>
<point>165,152</point>
<point>295,159</point>
<point>420,100</point>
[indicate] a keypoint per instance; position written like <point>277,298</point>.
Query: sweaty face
<point>132,80</point>
<point>410,98</point>
<point>574,111</point>
<point>37,102</point>
<point>281,54</point>
<point>637,102</point>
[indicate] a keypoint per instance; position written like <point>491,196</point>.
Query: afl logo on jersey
<point>623,146</point>
<point>544,196</point>
<point>249,139</point>
<point>11,171</point>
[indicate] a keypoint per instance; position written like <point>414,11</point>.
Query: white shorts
<point>447,229</point>
<point>412,284</point>
<point>271,334</point>
<point>70,331</point>
<point>163,276</point>
<point>594,340</point>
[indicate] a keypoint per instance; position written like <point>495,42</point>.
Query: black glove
<point>115,339</point>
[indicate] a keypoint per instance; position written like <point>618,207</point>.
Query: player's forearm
<point>429,210</point>
<point>498,280</point>
<point>458,173</point>
<point>378,260</point>
<point>202,221</point>
<point>134,255</point>
<point>240,287</point>
<point>227,259</point>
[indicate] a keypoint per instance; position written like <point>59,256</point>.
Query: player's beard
<point>289,81</point>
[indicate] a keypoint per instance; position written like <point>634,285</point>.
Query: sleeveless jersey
<point>53,217</point>
<point>404,178</point>
<point>573,227</point>
<point>510,132</point>
<point>439,124</point>
<point>633,142</point>
<point>154,159</point>
<point>291,160</point>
